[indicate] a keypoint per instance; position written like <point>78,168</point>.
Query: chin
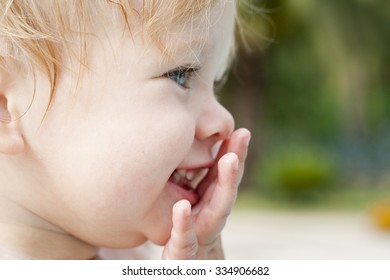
<point>118,242</point>
<point>160,242</point>
<point>160,239</point>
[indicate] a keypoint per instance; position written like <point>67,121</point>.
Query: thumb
<point>183,244</point>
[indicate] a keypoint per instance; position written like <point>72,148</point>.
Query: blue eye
<point>181,75</point>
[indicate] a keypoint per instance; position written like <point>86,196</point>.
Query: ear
<point>11,138</point>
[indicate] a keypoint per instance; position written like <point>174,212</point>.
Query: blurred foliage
<point>317,74</point>
<point>298,173</point>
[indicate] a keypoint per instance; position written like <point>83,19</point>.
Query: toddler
<point>110,131</point>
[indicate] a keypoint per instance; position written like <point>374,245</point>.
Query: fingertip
<point>245,135</point>
<point>182,219</point>
<point>183,207</point>
<point>247,138</point>
<point>231,159</point>
<point>244,130</point>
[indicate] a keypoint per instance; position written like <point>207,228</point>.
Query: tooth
<point>190,175</point>
<point>198,177</point>
<point>182,172</point>
<point>203,172</point>
<point>176,176</point>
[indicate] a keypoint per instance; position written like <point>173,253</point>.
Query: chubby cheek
<point>119,210</point>
<point>112,182</point>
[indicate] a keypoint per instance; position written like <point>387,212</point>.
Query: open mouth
<point>188,181</point>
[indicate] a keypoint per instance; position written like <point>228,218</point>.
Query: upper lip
<point>196,166</point>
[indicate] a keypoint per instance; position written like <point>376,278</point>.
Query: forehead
<point>203,33</point>
<point>205,38</point>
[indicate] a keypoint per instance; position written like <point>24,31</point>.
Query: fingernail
<point>234,162</point>
<point>187,208</point>
<point>235,166</point>
<point>248,139</point>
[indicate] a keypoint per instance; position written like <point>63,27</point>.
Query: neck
<point>24,235</point>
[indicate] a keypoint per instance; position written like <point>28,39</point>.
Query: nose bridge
<point>215,121</point>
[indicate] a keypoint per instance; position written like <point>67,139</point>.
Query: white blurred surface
<point>297,236</point>
<point>291,236</point>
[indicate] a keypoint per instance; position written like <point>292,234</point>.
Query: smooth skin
<point>95,171</point>
<point>196,232</point>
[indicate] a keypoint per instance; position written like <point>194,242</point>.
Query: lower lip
<point>190,195</point>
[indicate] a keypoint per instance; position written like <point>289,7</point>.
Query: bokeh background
<point>314,89</point>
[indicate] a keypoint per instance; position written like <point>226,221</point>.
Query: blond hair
<point>37,34</point>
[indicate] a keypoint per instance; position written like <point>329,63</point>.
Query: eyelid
<point>184,69</point>
<point>190,70</point>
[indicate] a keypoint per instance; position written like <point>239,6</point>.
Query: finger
<point>183,243</point>
<point>226,189</point>
<point>213,172</point>
<point>238,144</point>
<point>212,218</point>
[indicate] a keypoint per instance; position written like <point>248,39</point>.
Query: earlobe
<point>11,138</point>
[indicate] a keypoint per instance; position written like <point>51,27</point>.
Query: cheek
<point>110,172</point>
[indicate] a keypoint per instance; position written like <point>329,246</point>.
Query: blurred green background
<point>314,89</point>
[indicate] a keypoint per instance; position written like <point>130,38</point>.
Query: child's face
<point>101,162</point>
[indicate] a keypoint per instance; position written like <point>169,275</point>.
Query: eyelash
<point>188,73</point>
<point>181,73</point>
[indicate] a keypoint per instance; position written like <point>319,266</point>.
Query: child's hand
<point>196,232</point>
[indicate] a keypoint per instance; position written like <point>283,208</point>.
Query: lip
<point>197,166</point>
<point>191,195</point>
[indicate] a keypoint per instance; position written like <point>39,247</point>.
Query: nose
<point>214,123</point>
